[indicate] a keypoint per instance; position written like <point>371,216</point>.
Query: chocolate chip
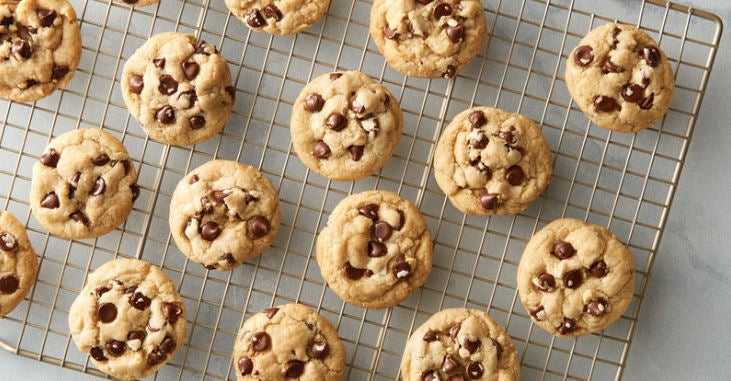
<point>167,345</point>
<point>475,370</point>
<point>514,175</point>
<point>107,312</point>
<point>172,312</point>
<point>255,19</point>
<point>632,92</point>
<point>401,220</point>
<point>455,33</point>
<point>318,350</point>
<point>115,347</point>
<point>615,39</point>
<point>596,307</point>
<point>334,76</point>
<point>498,347</point>
<point>197,122</point>
<point>336,121</point>
<point>271,11</point>
<point>376,249</point>
<point>353,273</point>
<point>246,366</point>
<point>50,201</point>
<point>294,368</point>
<point>583,55</point>
<point>573,279</point>
<point>200,47</point>
<point>605,104</point>
<point>168,85</point>
<point>471,345</point>
<point>507,135</point>
<point>46,16</point>
<point>646,103</point>
<point>477,119</point>
<point>50,158</point>
<point>21,50</point>
<point>58,72</point>
<point>401,269</point>
<point>259,226</point>
<point>155,357</point>
<point>139,301</point>
<point>321,150</point>
<point>450,72</point>
<point>535,311</point>
<point>567,326</point>
<point>97,354</point>
<point>441,10</point>
<point>101,291</point>
<point>356,152</point>
<point>136,83</point>
<point>99,187</point>
<point>8,241</point>
<point>231,91</point>
<point>137,335</point>
<point>314,103</point>
<point>270,312</point>
<point>190,70</point>
<point>651,56</point>
<point>545,282</point>
<point>489,201</point>
<point>7,21</point>
<point>30,83</point>
<point>610,67</point>
<point>430,336</point>
<point>599,269</point>
<point>479,143</point>
<point>165,115</point>
<point>79,216</point>
<point>9,284</point>
<point>382,230</point>
<point>260,341</point>
<point>100,160</point>
<point>449,364</point>
<point>390,33</point>
<point>194,179</point>
<point>424,2</point>
<point>454,330</point>
<point>129,289</point>
<point>159,63</point>
<point>125,163</point>
<point>370,211</point>
<point>430,375</point>
<point>135,190</point>
<point>563,250</point>
<point>210,231</point>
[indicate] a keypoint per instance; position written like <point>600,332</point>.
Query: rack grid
<point>623,181</point>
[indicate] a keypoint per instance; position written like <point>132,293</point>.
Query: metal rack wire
<point>622,181</point>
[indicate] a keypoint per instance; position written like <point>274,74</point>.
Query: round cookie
<point>224,213</point>
<point>83,186</point>
<point>129,318</point>
<point>489,161</point>
<point>620,78</point>
<point>375,250</point>
<point>426,38</point>
<point>288,342</point>
<point>18,263</point>
<point>460,344</point>
<point>179,89</point>
<point>278,16</point>
<point>575,278</point>
<point>345,125</point>
<point>40,49</point>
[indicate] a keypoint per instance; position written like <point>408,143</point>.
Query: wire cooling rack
<point>623,181</point>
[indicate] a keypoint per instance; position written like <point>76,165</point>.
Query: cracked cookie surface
<point>224,213</point>
<point>178,88</point>
<point>345,125</point>
<point>83,185</point>
<point>129,318</point>
<point>460,344</point>
<point>620,78</point>
<point>278,16</point>
<point>288,342</point>
<point>18,263</point>
<point>575,278</point>
<point>489,161</point>
<point>427,38</point>
<point>40,49</point>
<point>375,250</point>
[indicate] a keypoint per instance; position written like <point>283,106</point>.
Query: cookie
<point>129,318</point>
<point>278,16</point>
<point>620,78</point>
<point>178,88</point>
<point>575,278</point>
<point>40,50</point>
<point>83,185</point>
<point>288,342</point>
<point>224,213</point>
<point>345,125</point>
<point>489,161</point>
<point>375,250</point>
<point>139,3</point>
<point>426,38</point>
<point>18,263</point>
<point>460,344</point>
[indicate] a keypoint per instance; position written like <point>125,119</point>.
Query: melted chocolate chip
<point>596,307</point>
<point>449,364</point>
<point>573,279</point>
<point>321,150</point>
<point>646,103</point>
<point>390,33</point>
<point>107,312</point>
<point>455,33</point>
<point>454,330</point>
<point>450,72</point>
<point>21,50</point>
<point>336,121</point>
<point>101,291</point>
<point>197,122</point>
<point>376,249</point>
<point>155,357</point>
<point>605,104</point>
<point>599,269</point>
<point>401,269</point>
<point>159,62</point>
<point>535,311</point>
<point>632,93</point>
<point>8,242</point>
<point>100,160</point>
<point>7,21</point>
<point>475,370</point>
<point>58,72</point>
<point>567,326</point>
<point>441,10</point>
<point>99,187</point>
<point>356,152</point>
<point>136,83</point>
<point>270,312</point>
<point>477,119</point>
<point>489,201</point>
<point>137,335</point>
<point>194,179</point>
<point>651,55</point>
<point>9,284</point>
<point>192,98</point>
<point>260,341</point>
<point>50,201</point>
<point>479,143</point>
<point>97,354</point>
<point>135,190</point>
<point>471,345</point>
<point>246,366</point>
<point>231,91</point>
<point>430,336</point>
<point>165,115</point>
<point>545,282</point>
<point>514,175</point>
<point>167,345</point>
<point>210,231</point>
<point>168,85</point>
<point>79,216</point>
<point>294,368</point>
<point>563,250</point>
<point>353,273</point>
<point>382,230</point>
<point>583,55</point>
<point>610,67</point>
<point>190,70</point>
<point>139,301</point>
<point>430,375</point>
<point>498,347</point>
<point>115,348</point>
<point>318,350</point>
<point>271,11</point>
<point>334,76</point>
<point>259,226</point>
<point>369,210</point>
<point>50,158</point>
<point>46,16</point>
<point>255,19</point>
<point>172,312</point>
<point>314,103</point>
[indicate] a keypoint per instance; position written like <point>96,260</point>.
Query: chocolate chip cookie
<point>18,263</point>
<point>575,278</point>
<point>489,161</point>
<point>83,185</point>
<point>40,49</point>
<point>345,125</point>
<point>375,250</point>
<point>288,342</point>
<point>620,78</point>
<point>178,88</point>
<point>278,16</point>
<point>427,38</point>
<point>129,318</point>
<point>224,213</point>
<point>460,344</point>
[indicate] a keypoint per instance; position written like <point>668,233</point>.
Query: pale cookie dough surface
<point>278,16</point>
<point>224,213</point>
<point>460,342</point>
<point>489,161</point>
<point>18,263</point>
<point>288,342</point>
<point>375,250</point>
<point>427,38</point>
<point>83,185</point>
<point>345,125</point>
<point>129,318</point>
<point>40,49</point>
<point>620,78</point>
<point>575,278</point>
<point>179,89</point>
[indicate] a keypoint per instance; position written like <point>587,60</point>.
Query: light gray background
<point>683,327</point>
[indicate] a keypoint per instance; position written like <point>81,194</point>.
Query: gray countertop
<point>682,332</point>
